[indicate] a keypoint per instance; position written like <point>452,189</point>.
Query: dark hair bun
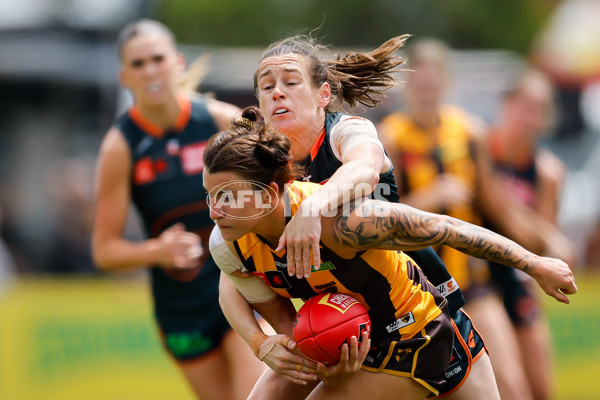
<point>253,114</point>
<point>272,148</point>
<point>251,119</point>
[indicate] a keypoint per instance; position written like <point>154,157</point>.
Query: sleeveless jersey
<point>398,296</point>
<point>424,157</point>
<point>167,188</point>
<point>520,182</point>
<point>322,163</point>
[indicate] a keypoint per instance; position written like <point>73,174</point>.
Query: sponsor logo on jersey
<point>161,166</point>
<point>401,322</point>
<point>327,287</point>
<point>148,169</point>
<point>325,266</point>
<point>275,279</point>
<point>448,287</point>
<point>192,158</point>
<point>143,171</point>
<point>280,265</point>
<point>172,147</point>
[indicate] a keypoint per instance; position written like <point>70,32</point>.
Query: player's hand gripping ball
<point>327,321</point>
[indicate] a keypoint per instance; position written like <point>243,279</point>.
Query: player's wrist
<point>528,265</point>
<point>310,208</point>
<point>156,253</point>
<point>256,343</point>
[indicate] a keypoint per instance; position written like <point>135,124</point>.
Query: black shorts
<point>520,304</point>
<point>190,319</point>
<point>424,357</point>
<point>203,333</point>
<point>468,347</point>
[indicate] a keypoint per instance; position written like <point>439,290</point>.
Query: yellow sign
<point>83,339</point>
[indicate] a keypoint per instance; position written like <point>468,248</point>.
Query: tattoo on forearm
<point>397,227</point>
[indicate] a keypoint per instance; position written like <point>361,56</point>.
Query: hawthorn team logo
<point>405,320</point>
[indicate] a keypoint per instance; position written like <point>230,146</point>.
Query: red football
<point>327,321</point>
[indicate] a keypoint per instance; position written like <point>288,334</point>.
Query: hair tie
<point>245,122</point>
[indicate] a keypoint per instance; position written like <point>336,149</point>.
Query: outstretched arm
<point>368,224</point>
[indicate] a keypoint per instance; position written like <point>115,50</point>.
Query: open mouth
<point>154,87</point>
<point>281,111</point>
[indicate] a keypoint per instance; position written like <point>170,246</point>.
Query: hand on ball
<point>351,359</point>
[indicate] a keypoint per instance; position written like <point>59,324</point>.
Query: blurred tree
<point>509,24</point>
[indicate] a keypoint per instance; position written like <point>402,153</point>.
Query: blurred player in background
<point>441,166</point>
<point>534,177</point>
<point>153,157</point>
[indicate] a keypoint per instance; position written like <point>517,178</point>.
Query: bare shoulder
<point>114,153</point>
<point>113,142</point>
<point>222,112</point>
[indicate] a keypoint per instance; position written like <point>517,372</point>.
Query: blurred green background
<point>509,24</point>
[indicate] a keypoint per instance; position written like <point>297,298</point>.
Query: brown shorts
<point>424,357</point>
<point>468,347</point>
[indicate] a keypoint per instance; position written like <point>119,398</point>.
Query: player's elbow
<point>371,175</point>
<point>100,260</point>
<point>374,178</point>
<point>100,255</point>
<point>444,230</point>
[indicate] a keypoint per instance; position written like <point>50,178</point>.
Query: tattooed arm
<point>369,224</point>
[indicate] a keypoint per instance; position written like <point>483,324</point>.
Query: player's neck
<point>301,143</point>
<point>163,115</point>
<point>426,118</point>
<point>300,147</point>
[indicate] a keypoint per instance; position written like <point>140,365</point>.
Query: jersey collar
<point>185,107</point>
<point>314,150</point>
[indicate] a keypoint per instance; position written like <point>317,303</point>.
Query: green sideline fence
<point>94,339</point>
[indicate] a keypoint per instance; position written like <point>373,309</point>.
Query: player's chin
<point>230,233</point>
<point>283,125</point>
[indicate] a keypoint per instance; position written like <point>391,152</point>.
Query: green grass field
<point>576,336</point>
